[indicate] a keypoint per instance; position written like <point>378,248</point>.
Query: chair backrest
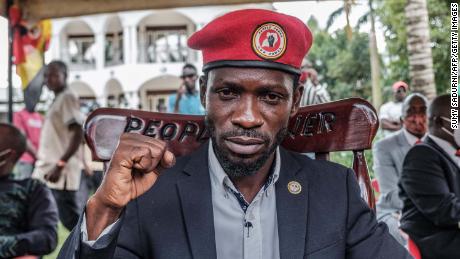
<point>345,125</point>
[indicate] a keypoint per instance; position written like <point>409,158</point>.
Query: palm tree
<point>373,50</point>
<point>346,8</point>
<point>418,45</point>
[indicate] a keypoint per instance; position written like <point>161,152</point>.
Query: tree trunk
<point>418,45</point>
<point>375,62</point>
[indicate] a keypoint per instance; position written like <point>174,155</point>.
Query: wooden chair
<point>345,125</point>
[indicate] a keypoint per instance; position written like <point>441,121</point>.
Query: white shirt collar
<point>219,176</point>
<point>411,139</point>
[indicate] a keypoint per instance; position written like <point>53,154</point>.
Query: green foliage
<point>344,65</point>
<point>346,159</point>
<point>63,233</point>
<point>391,15</point>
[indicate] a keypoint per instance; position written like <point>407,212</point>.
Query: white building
<point>130,59</point>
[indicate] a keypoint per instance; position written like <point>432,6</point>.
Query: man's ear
<point>298,93</point>
<point>203,89</point>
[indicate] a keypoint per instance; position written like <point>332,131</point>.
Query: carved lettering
<point>152,128</point>
<point>134,125</point>
<point>308,126</point>
<point>190,129</point>
<point>169,131</point>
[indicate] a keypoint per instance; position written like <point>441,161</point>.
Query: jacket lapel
<point>291,208</point>
<point>433,144</point>
<point>196,201</point>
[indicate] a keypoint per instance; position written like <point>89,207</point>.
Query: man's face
<point>248,110</point>
<point>400,94</point>
<point>189,78</point>
<point>416,120</point>
<point>54,78</point>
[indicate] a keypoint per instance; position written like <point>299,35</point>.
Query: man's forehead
<point>188,71</point>
<point>268,77</point>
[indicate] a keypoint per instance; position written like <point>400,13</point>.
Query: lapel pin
<point>294,187</point>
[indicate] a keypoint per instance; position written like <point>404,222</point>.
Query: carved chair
<point>345,125</point>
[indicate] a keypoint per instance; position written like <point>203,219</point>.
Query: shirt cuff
<point>84,232</point>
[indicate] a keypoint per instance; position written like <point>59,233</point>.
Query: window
<point>166,44</point>
<point>81,49</point>
<point>113,49</point>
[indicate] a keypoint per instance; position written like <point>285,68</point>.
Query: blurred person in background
<point>430,186</point>
<point>30,123</point>
<point>390,112</point>
<point>187,98</point>
<point>314,92</point>
<point>28,212</point>
<point>389,155</point>
<point>60,140</point>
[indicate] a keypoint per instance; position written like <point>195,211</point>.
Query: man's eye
<point>227,94</point>
<point>272,98</point>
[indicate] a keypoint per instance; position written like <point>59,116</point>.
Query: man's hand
<point>134,168</point>
<point>54,175</point>
<point>180,92</point>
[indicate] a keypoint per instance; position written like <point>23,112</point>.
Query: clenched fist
<point>135,166</point>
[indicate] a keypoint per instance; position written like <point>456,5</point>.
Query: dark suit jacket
<point>430,190</point>
<point>174,219</point>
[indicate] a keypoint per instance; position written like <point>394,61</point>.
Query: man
<point>187,99</point>
<point>314,92</point>
<point>390,112</point>
<point>28,213</point>
<point>30,123</point>
<point>388,159</point>
<point>240,195</point>
<point>60,139</point>
<point>430,187</point>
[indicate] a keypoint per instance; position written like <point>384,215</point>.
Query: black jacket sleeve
<point>365,237</point>
<point>122,241</point>
<point>425,183</point>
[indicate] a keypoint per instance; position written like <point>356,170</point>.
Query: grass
<point>62,235</point>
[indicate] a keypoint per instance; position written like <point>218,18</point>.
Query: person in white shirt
<point>390,112</point>
<point>314,92</point>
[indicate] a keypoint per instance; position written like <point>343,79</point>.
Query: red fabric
<point>31,125</point>
<point>457,153</point>
<point>418,141</point>
<point>413,249</point>
<point>399,84</point>
<point>18,50</point>
<point>230,38</point>
<point>375,185</point>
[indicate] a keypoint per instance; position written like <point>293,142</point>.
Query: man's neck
<point>191,91</point>
<point>414,134</point>
<point>249,186</point>
<point>60,90</point>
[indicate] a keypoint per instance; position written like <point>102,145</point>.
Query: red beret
<point>253,38</point>
<point>399,84</point>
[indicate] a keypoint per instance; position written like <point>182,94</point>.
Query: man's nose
<point>247,114</point>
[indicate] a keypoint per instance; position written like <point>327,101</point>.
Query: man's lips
<point>244,145</point>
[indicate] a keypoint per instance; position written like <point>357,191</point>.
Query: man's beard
<point>238,169</point>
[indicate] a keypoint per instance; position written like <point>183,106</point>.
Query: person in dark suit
<point>240,195</point>
<point>389,156</point>
<point>430,187</point>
